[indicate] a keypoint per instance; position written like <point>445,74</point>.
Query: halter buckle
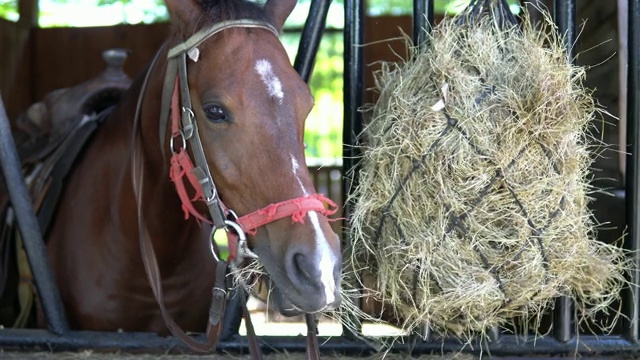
<point>187,127</point>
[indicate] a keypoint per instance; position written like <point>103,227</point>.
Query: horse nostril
<point>302,267</point>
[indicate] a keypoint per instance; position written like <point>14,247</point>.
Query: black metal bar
<point>632,183</point>
<point>30,230</point>
<point>422,20</point>
<point>310,39</point>
<point>353,84</point>
<point>565,19</point>
<point>353,92</point>
<point>562,319</point>
<point>509,345</point>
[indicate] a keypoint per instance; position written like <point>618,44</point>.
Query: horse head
<point>248,106</point>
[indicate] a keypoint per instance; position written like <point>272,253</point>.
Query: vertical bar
<point>632,241</point>
<point>623,58</point>
<point>353,82</point>
<point>422,20</point>
<point>310,39</point>
<point>30,230</point>
<point>28,12</point>
<point>565,19</point>
<point>353,88</point>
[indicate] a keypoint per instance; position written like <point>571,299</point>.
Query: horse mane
<point>215,11</point>
<point>223,10</point>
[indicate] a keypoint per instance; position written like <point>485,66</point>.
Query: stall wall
<point>42,60</point>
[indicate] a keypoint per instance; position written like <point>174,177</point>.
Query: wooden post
<point>28,10</point>
<point>15,62</point>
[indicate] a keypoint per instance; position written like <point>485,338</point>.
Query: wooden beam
<point>28,10</point>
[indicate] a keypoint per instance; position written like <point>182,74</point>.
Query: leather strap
<point>219,291</point>
<point>313,349</point>
<point>218,297</point>
<point>254,342</point>
<point>60,163</point>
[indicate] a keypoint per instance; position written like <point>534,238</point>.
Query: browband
<point>202,35</point>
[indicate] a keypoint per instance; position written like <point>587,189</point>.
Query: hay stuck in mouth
<point>471,203</point>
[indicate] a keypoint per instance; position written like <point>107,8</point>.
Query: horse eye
<point>215,113</point>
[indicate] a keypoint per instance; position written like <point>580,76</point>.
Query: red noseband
<point>296,208</point>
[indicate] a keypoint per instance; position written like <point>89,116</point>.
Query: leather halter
<point>176,78</point>
<point>184,128</point>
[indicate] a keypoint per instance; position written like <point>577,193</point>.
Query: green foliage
<point>54,13</point>
<point>405,7</point>
<point>323,131</point>
<point>9,10</point>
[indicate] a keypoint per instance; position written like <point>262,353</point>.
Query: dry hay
<point>470,208</point>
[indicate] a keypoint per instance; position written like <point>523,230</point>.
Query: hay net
<point>470,208</point>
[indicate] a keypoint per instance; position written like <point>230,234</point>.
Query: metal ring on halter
<point>188,111</point>
<point>209,199</point>
<point>184,142</point>
<point>232,215</point>
<point>242,247</point>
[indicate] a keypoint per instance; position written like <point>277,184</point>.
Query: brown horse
<point>248,107</point>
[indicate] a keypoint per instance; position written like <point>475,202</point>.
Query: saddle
<point>49,136</point>
<point>47,123</point>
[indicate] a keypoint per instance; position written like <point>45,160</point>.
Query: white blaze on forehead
<point>325,258</point>
<point>296,167</point>
<point>274,86</point>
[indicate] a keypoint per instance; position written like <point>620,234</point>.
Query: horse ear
<point>184,12</point>
<point>278,11</point>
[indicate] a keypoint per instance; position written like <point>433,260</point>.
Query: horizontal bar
<point>508,345</point>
